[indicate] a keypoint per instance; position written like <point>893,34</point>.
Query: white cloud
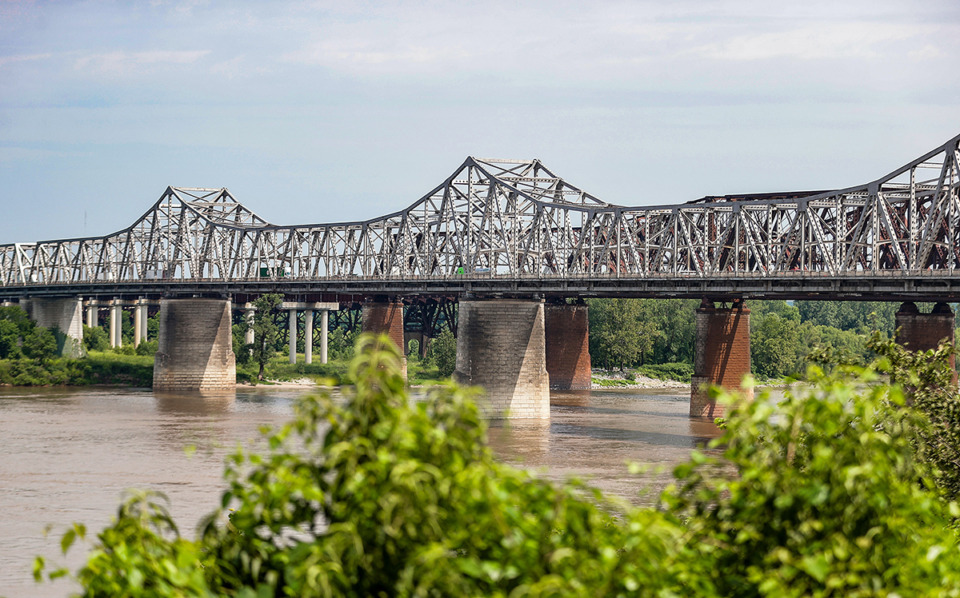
<point>120,62</point>
<point>822,41</point>
<point>5,60</point>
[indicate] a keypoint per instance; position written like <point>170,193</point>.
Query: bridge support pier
<point>137,322</point>
<point>92,313</point>
<point>721,355</point>
<point>65,314</point>
<point>382,316</point>
<point>248,314</point>
<point>292,333</point>
<point>196,346</point>
<point>144,318</point>
<point>568,346</point>
<point>501,347</point>
<point>922,332</point>
<point>116,323</point>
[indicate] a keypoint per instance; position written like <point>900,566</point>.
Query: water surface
<point>69,454</point>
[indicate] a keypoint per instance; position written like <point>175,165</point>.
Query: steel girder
<point>516,219</point>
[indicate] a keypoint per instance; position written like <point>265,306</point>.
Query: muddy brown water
<point>69,454</point>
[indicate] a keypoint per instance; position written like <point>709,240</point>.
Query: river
<point>68,454</point>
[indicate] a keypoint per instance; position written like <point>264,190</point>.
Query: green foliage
<point>340,343</point>
<point>265,330</point>
<point>668,371</point>
<point>442,352</point>
<point>413,350</point>
<point>780,344</point>
<point>857,316</point>
<point>95,339</point>
<point>147,348</point>
<point>40,344</point>
<point>620,332</point>
<point>9,340</point>
<point>825,500</point>
<point>240,349</point>
<point>814,495</point>
<point>928,379</point>
<point>162,564</point>
<point>280,369</point>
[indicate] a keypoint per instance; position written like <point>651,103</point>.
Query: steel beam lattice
<point>516,219</point>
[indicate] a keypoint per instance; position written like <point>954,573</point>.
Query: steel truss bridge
<point>513,227</point>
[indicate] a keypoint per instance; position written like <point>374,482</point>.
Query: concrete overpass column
<point>92,309</point>
<point>144,318</point>
<point>137,322</point>
<point>65,314</point>
<point>383,316</point>
<point>308,336</point>
<point>568,346</point>
<point>248,312</point>
<point>115,328</point>
<point>922,332</point>
<point>324,325</point>
<point>195,346</point>
<point>292,330</point>
<point>721,355</point>
<point>501,347</point>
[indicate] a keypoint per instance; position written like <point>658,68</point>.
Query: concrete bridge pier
<point>922,332</point>
<point>721,355</point>
<point>196,346</point>
<point>93,309</point>
<point>138,309</point>
<point>116,323</point>
<point>501,347</point>
<point>248,314</point>
<point>65,314</point>
<point>568,346</point>
<point>308,310</point>
<point>382,315</point>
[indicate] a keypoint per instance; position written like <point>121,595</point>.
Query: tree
<point>265,329</point>
<point>442,352</point>
<point>40,344</point>
<point>620,334</point>
<point>9,340</point>
<point>95,339</point>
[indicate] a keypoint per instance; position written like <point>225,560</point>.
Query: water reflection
<point>594,435</point>
<point>195,404</point>
<point>521,441</point>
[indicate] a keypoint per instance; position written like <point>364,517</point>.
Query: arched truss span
<point>517,219</point>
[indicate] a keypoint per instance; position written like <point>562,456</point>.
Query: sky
<point>314,112</point>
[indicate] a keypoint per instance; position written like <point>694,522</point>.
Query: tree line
<point>627,333</point>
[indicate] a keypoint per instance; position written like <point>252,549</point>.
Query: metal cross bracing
<point>514,224</point>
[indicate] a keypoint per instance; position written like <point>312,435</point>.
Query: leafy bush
<point>929,382</point>
<point>816,495</point>
<point>668,371</point>
<point>442,352</point>
<point>95,338</point>
<point>147,348</point>
<point>826,499</point>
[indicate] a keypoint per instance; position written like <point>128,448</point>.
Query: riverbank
<point>110,368</point>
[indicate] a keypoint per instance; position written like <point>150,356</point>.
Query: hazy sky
<point>331,111</point>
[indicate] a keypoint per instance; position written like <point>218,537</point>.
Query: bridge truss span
<point>515,220</point>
